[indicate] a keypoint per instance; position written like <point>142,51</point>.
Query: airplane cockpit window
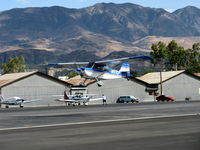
<point>11,99</point>
<point>90,65</point>
<point>99,66</point>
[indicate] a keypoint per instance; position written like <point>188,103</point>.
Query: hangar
<point>32,85</point>
<point>113,88</point>
<point>121,87</point>
<point>180,84</point>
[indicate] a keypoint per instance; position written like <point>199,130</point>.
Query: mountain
<point>104,30</point>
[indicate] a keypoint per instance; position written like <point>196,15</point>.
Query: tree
<point>159,51</point>
<point>193,58</point>
<point>159,54</point>
<point>148,71</point>
<point>72,74</point>
<point>175,57</point>
<point>14,65</point>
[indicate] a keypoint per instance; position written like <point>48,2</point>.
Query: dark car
<point>127,99</point>
<point>165,98</point>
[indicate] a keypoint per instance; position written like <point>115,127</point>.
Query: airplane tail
<point>125,70</point>
<point>65,95</point>
<point>1,98</point>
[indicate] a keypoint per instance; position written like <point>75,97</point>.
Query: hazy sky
<point>166,4</point>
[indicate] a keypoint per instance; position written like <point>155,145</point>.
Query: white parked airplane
<point>77,99</point>
<point>15,101</point>
<point>102,70</point>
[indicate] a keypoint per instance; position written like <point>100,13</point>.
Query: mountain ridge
<point>100,29</point>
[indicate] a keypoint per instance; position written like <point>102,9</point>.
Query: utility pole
<point>161,86</point>
<point>161,83</point>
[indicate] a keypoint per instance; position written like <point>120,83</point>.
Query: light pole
<point>161,83</point>
<point>161,87</point>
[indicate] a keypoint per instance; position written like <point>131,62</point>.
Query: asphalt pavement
<point>141,126</point>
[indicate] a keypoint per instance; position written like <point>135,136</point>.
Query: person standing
<point>104,99</point>
<point>65,94</point>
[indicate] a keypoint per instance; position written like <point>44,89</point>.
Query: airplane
<point>14,101</point>
<point>77,99</point>
<point>102,70</point>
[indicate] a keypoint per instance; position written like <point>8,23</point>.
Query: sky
<point>169,5</point>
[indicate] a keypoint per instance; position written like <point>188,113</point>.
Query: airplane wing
<point>4,102</point>
<point>67,100</point>
<point>95,99</point>
<point>124,59</point>
<point>57,95</point>
<point>103,61</point>
<point>30,101</point>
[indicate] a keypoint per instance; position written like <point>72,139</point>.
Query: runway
<point>121,127</point>
<point>29,117</point>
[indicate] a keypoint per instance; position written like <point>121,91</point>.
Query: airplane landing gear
<point>85,103</point>
<point>100,83</point>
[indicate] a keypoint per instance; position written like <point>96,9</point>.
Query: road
<point>120,127</point>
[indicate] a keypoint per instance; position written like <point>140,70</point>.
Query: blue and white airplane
<point>101,70</point>
<point>15,101</point>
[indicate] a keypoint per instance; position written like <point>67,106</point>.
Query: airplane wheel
<point>85,104</point>
<point>7,106</point>
<point>21,106</point>
<point>100,83</point>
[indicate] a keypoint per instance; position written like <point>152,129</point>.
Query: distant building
<point>33,85</point>
<point>63,78</point>
<point>79,85</point>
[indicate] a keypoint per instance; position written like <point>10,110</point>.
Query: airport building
<point>113,88</point>
<point>33,85</point>
<point>179,84</point>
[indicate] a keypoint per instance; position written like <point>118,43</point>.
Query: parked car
<point>165,98</point>
<point>127,99</point>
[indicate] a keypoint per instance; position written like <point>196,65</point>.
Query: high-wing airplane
<point>77,99</point>
<point>15,101</point>
<point>102,70</point>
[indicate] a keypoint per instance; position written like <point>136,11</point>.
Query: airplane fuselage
<point>13,101</point>
<point>103,75</point>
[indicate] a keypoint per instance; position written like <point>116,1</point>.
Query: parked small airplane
<point>102,70</point>
<point>14,101</point>
<point>77,99</point>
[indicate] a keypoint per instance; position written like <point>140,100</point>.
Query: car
<point>127,99</point>
<point>165,98</point>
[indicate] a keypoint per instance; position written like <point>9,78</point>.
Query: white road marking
<point>101,121</point>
